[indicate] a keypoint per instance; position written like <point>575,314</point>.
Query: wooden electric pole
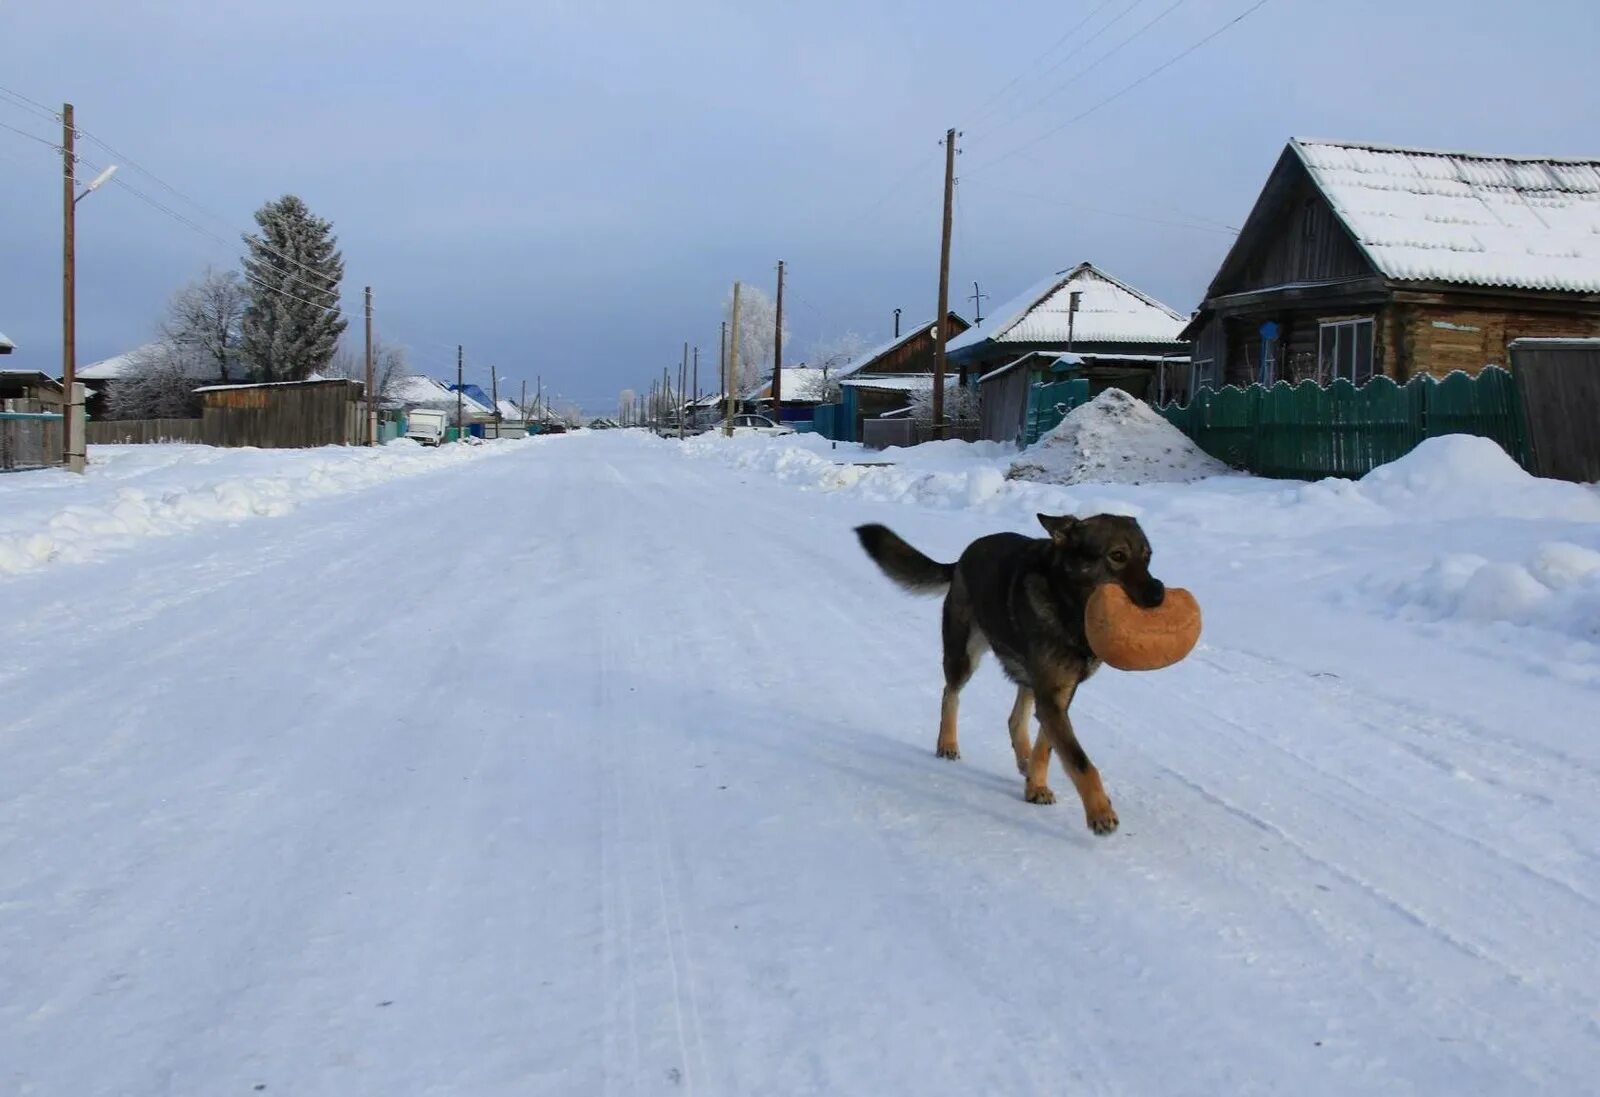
<point>777,353</point>
<point>69,275</point>
<point>494,398</point>
<point>372,404</point>
<point>522,405</point>
<point>722,359</point>
<point>733,364</point>
<point>460,425</point>
<point>696,377</point>
<point>683,388</point>
<point>940,323</point>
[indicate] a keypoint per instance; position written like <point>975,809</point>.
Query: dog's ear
<point>1061,528</point>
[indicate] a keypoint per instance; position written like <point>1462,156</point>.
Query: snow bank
<point>1558,590</point>
<point>131,492</point>
<point>1115,439</point>
<point>1464,476</point>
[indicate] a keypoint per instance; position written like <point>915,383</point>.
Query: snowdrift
<point>1115,439</point>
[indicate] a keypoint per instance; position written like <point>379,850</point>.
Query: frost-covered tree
<point>627,406</point>
<point>159,382</point>
<point>758,319</point>
<point>391,367</point>
<point>960,404</point>
<point>206,319</point>
<point>292,323</point>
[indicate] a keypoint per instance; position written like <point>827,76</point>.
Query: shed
<point>1360,259</point>
<point>283,414</point>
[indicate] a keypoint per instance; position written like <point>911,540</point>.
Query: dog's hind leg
<point>1021,713</point>
<point>963,646</point>
<point>1055,727</point>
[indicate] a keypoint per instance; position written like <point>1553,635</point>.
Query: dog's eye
<point>1119,556</point>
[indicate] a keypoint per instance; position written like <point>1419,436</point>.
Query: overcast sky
<point>570,188</point>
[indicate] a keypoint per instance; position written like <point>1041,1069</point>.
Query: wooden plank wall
<point>118,431</point>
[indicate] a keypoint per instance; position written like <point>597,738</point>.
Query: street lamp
<point>69,287</point>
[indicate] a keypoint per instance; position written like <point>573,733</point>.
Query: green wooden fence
<point>1305,432</point>
<point>1048,404</point>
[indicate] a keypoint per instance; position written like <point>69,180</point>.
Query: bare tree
<point>205,317</point>
<point>390,367</point>
<point>159,382</point>
<point>627,405</point>
<point>758,319</point>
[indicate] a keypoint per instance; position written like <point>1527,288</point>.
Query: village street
<point>602,765</point>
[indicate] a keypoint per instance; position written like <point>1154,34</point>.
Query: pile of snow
<point>1115,439</point>
<point>1557,589</point>
<point>131,492</point>
<point>1464,476</point>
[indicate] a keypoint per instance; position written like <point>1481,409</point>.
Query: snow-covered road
<point>602,768</point>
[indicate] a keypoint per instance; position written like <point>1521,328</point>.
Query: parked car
<point>426,426</point>
<point>753,424</point>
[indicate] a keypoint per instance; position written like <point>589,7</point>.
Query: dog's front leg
<point>1056,727</point>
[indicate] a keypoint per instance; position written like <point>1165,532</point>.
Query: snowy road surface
<point>601,767</point>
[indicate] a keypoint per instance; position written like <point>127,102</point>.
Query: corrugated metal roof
<point>1432,216</point>
<point>1109,311</point>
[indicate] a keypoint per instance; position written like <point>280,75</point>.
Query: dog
<point>1023,598</point>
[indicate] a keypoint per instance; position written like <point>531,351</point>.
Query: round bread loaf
<point>1129,637</point>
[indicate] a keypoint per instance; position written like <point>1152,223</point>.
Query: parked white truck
<point>426,426</point>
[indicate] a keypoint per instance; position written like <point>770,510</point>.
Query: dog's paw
<point>951,752</point>
<point>1039,795</point>
<point>1103,822</point>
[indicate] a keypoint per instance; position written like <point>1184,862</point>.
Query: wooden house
<point>881,379</point>
<point>1122,337</point>
<point>1359,260</point>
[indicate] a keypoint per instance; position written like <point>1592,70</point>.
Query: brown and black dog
<point>1023,598</point>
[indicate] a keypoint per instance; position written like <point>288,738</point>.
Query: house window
<point>1344,350</point>
<point>1202,375</point>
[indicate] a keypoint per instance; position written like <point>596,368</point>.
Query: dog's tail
<point>904,564</point>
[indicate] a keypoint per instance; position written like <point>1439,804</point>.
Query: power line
<point>23,101</point>
<point>1114,96</point>
<point>32,137</point>
<point>1118,213</point>
<point>983,110</point>
<point>1097,62</point>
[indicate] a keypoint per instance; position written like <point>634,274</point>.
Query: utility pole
<point>940,324</point>
<point>372,415</point>
<point>897,323</point>
<point>494,398</point>
<point>683,389</point>
<point>977,303</point>
<point>777,354</point>
<point>733,364</point>
<point>538,396</point>
<point>697,377</point>
<point>522,405</point>
<point>460,425</point>
<point>69,276</point>
<point>722,359</point>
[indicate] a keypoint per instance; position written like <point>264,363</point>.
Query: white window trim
<point>1353,324</point>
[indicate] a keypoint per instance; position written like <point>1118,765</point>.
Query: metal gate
<point>1560,383</point>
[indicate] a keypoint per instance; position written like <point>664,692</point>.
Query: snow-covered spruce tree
<point>292,270</point>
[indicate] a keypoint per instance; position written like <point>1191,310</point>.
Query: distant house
<point>1359,260</point>
<point>26,439</point>
<point>802,388</point>
<point>6,345</point>
<point>1122,336</point>
<point>424,392</point>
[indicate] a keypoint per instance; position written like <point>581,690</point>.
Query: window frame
<point>1331,337</point>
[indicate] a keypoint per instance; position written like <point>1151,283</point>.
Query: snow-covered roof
<point>1049,355</point>
<point>799,383</point>
<point>1110,311</point>
<point>1429,216</point>
<point>509,410</point>
<point>6,345</point>
<point>896,382</point>
<point>861,361</point>
<point>278,384</point>
<point>417,391</point>
<point>108,369</point>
